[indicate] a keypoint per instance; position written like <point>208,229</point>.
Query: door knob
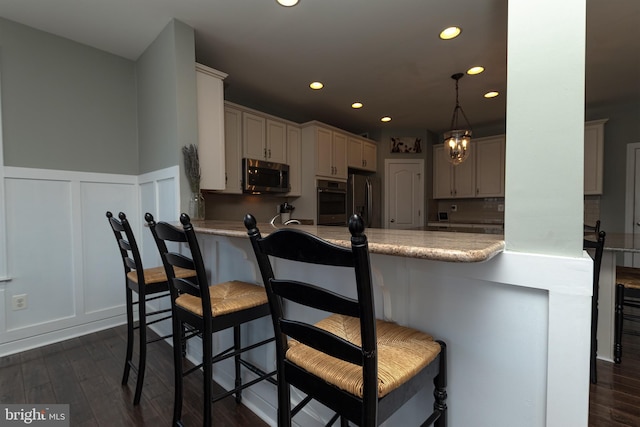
<point>392,220</point>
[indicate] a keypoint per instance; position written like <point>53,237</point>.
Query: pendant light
<point>457,142</point>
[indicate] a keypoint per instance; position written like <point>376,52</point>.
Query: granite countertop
<point>432,245</point>
<point>621,242</point>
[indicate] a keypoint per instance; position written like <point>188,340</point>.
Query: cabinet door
<point>442,174</point>
<point>339,155</point>
<point>593,158</point>
<point>464,177</point>
<point>294,159</point>
<point>354,153</point>
<point>253,137</point>
<point>490,167</point>
<point>233,150</point>
<point>324,166</point>
<point>276,141</point>
<point>211,149</point>
<point>369,156</point>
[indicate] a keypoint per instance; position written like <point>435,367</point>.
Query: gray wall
<point>167,104</point>
<point>65,106</point>
<point>622,128</point>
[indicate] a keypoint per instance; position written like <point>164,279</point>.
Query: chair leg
<point>619,314</point>
<point>177,370</point>
<point>284,403</point>
<point>593,374</point>
<point>129,351</point>
<point>207,355</point>
<point>237,344</point>
<point>142,359</point>
<point>440,392</point>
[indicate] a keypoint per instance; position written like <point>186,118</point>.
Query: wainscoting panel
<point>104,291</point>
<point>61,252</point>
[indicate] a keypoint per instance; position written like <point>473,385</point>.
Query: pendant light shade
<point>457,141</point>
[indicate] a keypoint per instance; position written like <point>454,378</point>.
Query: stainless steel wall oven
<point>332,202</point>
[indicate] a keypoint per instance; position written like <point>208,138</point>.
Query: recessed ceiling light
<point>385,119</point>
<point>316,85</point>
<point>450,33</point>
<point>356,105</point>
<point>491,94</point>
<point>475,70</point>
<point>287,3</point>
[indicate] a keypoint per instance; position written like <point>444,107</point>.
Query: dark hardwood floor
<point>85,372</point>
<point>615,400</point>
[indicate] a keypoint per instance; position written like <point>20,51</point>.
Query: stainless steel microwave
<point>259,176</point>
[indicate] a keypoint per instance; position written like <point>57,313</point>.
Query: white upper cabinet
<point>362,154</point>
<point>294,159</point>
<point>331,153</point>
<point>211,133</point>
<point>264,138</point>
<point>593,156</point>
<point>489,166</point>
<point>453,182</point>
<point>233,150</point>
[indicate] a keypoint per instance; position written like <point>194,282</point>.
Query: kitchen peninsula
<point>460,287</point>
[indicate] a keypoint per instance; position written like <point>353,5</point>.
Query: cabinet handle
<point>269,152</point>
<point>226,178</point>
<point>264,151</point>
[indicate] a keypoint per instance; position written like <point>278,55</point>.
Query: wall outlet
<point>501,208</point>
<point>454,208</point>
<point>19,302</point>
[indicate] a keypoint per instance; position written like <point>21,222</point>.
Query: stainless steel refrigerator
<point>363,197</point>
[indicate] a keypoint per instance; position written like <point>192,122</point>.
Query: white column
<point>545,126</point>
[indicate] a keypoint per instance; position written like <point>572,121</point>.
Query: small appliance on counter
<point>285,212</point>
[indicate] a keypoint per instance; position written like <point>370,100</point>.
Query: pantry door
<point>404,193</point>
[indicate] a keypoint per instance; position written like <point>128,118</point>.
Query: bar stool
<point>150,284</point>
<point>203,310</point>
<point>597,249</point>
<point>627,295</point>
<point>360,367</point>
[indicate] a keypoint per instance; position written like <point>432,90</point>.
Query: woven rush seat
<point>402,353</point>
<point>227,297</point>
<point>158,275</point>
<point>628,276</point>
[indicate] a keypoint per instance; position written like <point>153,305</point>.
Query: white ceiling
<point>384,53</point>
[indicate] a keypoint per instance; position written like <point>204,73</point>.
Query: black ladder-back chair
<point>202,310</point>
<point>597,247</point>
<point>595,229</point>
<point>627,295</point>
<point>150,284</point>
<point>361,368</point>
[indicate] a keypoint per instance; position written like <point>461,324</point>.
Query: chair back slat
<point>126,240</point>
<point>307,248</point>
<point>316,297</point>
<point>323,341</point>
<point>187,286</point>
